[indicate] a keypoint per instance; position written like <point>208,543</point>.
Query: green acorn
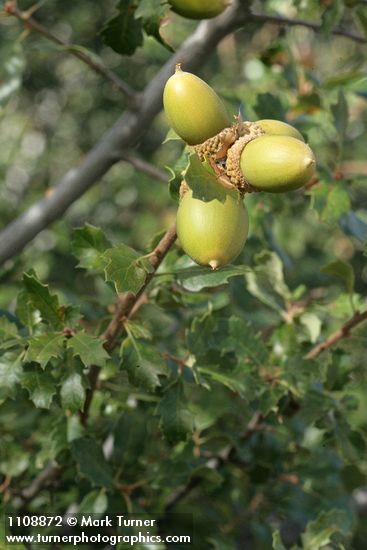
<point>212,233</point>
<point>198,9</point>
<point>192,107</point>
<point>279,128</point>
<point>277,163</point>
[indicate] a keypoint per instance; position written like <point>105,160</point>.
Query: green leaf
<point>319,195</point>
<point>143,363</point>
<point>45,302</point>
<point>16,464</point>
<point>176,421</point>
<point>150,8</point>
<point>123,32</point>
<point>332,15</point>
<point>210,477</point>
<point>354,225</point>
<point>73,393</point>
<point>340,116</point>
<point>172,136</point>
<point>152,13</point>
<point>277,542</point>
<point>9,336</point>
<point>138,330</point>
<point>126,269</point>
<point>26,312</point>
<point>88,244</point>
<point>54,441</point>
<point>342,270</point>
<point>95,502</point>
<point>352,477</point>
<point>245,342</point>
<point>340,123</point>
<point>130,437</point>
<point>313,325</point>
<point>196,278</point>
<point>89,348</point>
<point>43,348</point>
<point>269,106</point>
<point>204,184</point>
<point>41,387</point>
<point>315,403</point>
<point>177,172</point>
<point>11,71</point>
<point>349,79</point>
<point>266,280</point>
<point>360,16</point>
<point>234,380</point>
<point>202,336</point>
<point>91,463</point>
<point>319,532</point>
<point>331,202</point>
<point>10,374</point>
<point>8,330</point>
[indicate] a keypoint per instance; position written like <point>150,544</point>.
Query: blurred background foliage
<point>312,459</point>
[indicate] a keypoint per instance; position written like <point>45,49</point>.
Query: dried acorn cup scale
<point>267,155</point>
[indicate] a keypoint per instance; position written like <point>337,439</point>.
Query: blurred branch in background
<point>285,21</point>
<point>228,454</point>
<point>343,332</point>
<point>45,477</point>
<point>77,51</point>
<point>122,136</point>
<point>146,167</point>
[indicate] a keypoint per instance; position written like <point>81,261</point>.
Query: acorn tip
<point>309,161</point>
<point>214,264</point>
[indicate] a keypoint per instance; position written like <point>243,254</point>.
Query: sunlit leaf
<point>88,348</point>
<point>41,299</point>
<point>72,393</point>
<point>41,387</point>
<point>43,348</point>
<point>125,268</point>
<point>88,244</point>
<point>196,278</point>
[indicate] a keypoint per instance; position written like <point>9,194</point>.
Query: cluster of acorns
<point>266,155</point>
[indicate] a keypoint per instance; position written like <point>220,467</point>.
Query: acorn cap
<point>217,146</point>
<point>248,131</point>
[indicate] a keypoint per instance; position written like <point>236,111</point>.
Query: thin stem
<point>46,476</point>
<point>343,332</point>
<point>31,24</point>
<point>229,455</point>
<point>279,20</point>
<point>145,167</point>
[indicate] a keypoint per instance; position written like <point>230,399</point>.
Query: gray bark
<point>121,137</point>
